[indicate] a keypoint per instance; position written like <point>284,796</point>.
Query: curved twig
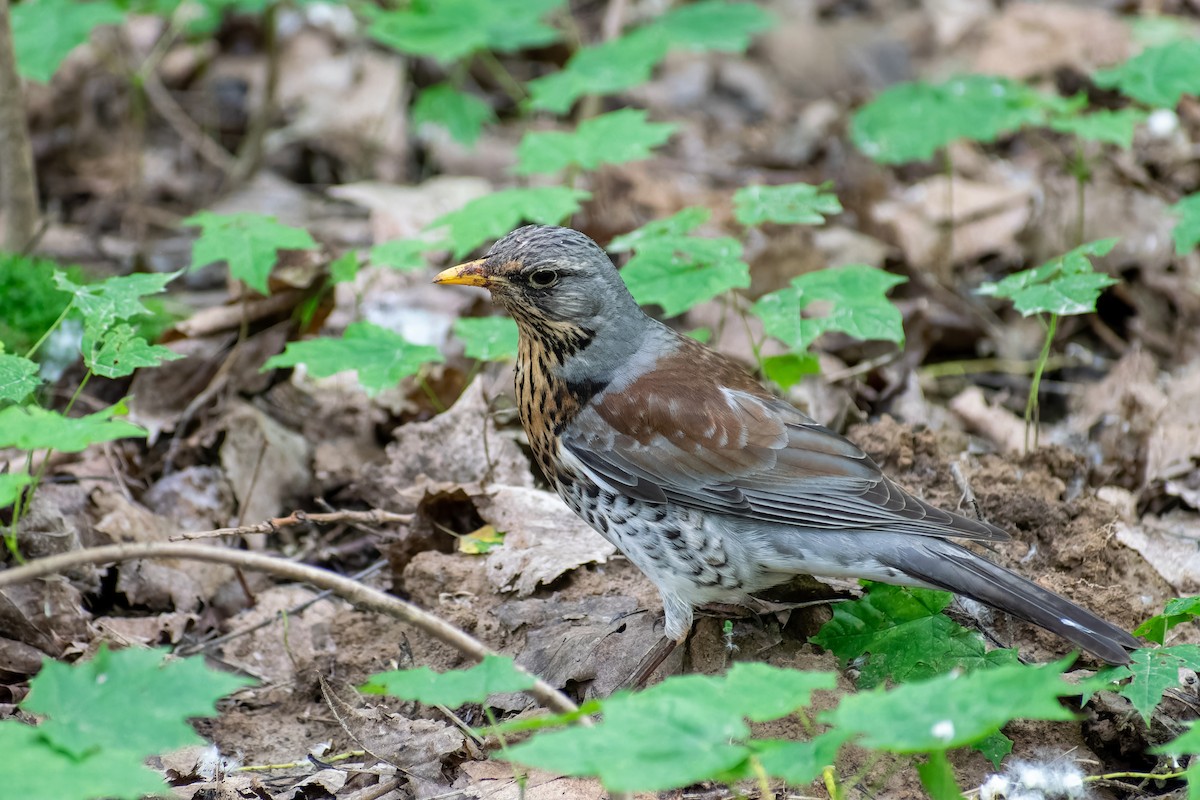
<point>363,597</point>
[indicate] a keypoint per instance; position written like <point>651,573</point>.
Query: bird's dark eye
<point>543,278</point>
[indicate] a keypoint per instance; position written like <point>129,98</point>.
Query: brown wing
<point>700,432</point>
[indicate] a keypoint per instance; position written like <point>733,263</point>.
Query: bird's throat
<point>546,401</point>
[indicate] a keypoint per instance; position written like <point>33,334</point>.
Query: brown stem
<point>364,597</point>
<point>18,180</point>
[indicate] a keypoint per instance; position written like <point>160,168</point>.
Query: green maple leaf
<point>857,304</point>
<point>128,701</point>
<point>250,243</point>
<point>1158,76</point>
<point>791,204</point>
<point>448,30</point>
<point>1110,127</point>
<point>114,299</point>
<point>613,138</point>
<point>11,484</point>
<point>32,427</point>
<point>118,351</point>
<point>1186,232</point>
<point>46,31</point>
<point>492,675</point>
<point>488,338</point>
<point>906,635</point>
<point>1154,670</point>
<point>684,730</point>
<point>463,115</point>
<point>1177,611</point>
<point>912,121</point>
<point>604,68</point>
<point>678,272</point>
<point>713,25</point>
<point>379,356</point>
<point>33,769</point>
<point>496,214</point>
<point>954,709</point>
<point>1064,285</point>
<point>674,226</point>
<point>18,377</point>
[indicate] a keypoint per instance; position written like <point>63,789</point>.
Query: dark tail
<point>948,566</point>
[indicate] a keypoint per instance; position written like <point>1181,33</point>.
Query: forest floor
<point>1104,511</point>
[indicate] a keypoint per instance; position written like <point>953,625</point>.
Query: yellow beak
<point>468,274</point>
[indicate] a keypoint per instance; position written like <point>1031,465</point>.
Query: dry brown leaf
<point>1027,40</point>
<point>543,539</point>
<point>1170,544</point>
<point>495,780</point>
<point>401,212</point>
<point>268,465</point>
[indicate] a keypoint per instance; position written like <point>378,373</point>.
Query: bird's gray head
<point>555,281</point>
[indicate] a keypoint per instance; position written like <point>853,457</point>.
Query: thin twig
<point>376,516</point>
<point>364,597</point>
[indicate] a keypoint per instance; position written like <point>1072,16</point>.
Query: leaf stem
<point>760,776</point>
<point>503,77</point>
<point>50,330</point>
<point>1032,415</point>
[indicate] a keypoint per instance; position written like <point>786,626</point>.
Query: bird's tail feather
<point>956,569</point>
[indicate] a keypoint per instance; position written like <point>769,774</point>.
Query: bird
<point>713,486</point>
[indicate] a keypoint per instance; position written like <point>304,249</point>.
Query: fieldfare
<point>711,485</point>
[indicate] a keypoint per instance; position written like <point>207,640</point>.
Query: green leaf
<point>906,635</point>
<point>495,215</point>
<point>1187,231</point>
<point>788,369</point>
<point>447,30</point>
<point>250,243</point>
<point>344,268</point>
<point>405,254</point>
<point>1185,744</point>
<point>791,204</point>
<point>613,138</point>
<point>676,733</point>
<point>1110,127</point>
<point>1064,285</point>
<point>1177,611</point>
<point>1156,29</point>
<point>937,776</point>
<point>46,31</point>
<point>32,427</point>
<point>1154,670</point>
<point>674,226</point>
<point>1158,76</point>
<point>119,298</point>
<point>32,769</point>
<point>18,377</point>
<point>492,675</point>
<point>799,763</point>
<point>131,701</point>
<point>488,338</point>
<point>953,710</point>
<point>912,121</point>
<point>463,115</point>
<point>379,356</point>
<point>857,304</point>
<point>118,351</point>
<point>994,748</point>
<point>600,69</point>
<point>679,272</point>
<point>11,484</point>
<point>713,25</point>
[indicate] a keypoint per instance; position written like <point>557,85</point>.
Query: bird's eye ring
<point>543,278</point>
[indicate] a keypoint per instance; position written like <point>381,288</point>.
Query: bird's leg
<point>652,661</point>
